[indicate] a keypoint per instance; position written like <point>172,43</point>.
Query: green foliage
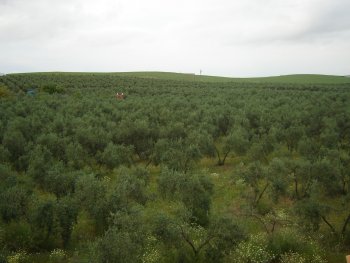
<point>138,135</point>
<point>124,241</point>
<point>237,141</point>
<point>131,185</point>
<point>255,249</point>
<point>179,155</point>
<point>52,88</point>
<point>4,154</point>
<point>19,257</point>
<point>288,244</point>
<point>192,189</point>
<point>44,223</point>
<point>254,175</point>
<point>295,257</point>
<point>112,181</point>
<point>4,91</point>
<point>116,155</point>
<point>39,163</point>
<point>227,235</point>
<point>67,212</point>
<point>59,181</point>
<point>18,236</point>
<point>58,256</point>
<point>310,212</point>
<point>75,155</point>
<point>14,199</point>
<point>278,176</point>
<point>91,194</point>
<point>14,142</point>
<point>292,136</point>
<point>292,257</point>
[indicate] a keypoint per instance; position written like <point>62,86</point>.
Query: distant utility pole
<point>200,72</point>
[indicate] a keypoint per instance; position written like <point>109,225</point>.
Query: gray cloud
<point>234,38</point>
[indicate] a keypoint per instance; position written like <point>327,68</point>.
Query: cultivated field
<point>185,168</point>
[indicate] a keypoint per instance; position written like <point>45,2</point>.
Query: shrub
<point>289,244</point>
<point>52,88</point>
<point>19,257</point>
<point>292,257</point>
<point>116,155</point>
<point>255,249</point>
<point>18,236</point>
<point>4,91</point>
<point>58,256</point>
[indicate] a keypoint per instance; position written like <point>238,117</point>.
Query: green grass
<point>300,78</point>
<point>285,79</point>
<point>304,79</point>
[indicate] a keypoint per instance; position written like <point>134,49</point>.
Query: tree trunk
<point>296,187</point>
<point>261,194</point>
<point>219,158</point>
<point>347,221</point>
<point>329,224</point>
<point>223,160</point>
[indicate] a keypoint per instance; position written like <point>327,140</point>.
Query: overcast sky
<point>221,37</point>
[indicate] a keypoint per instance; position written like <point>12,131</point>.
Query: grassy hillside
<point>296,78</point>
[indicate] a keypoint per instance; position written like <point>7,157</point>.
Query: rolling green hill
<point>296,78</point>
